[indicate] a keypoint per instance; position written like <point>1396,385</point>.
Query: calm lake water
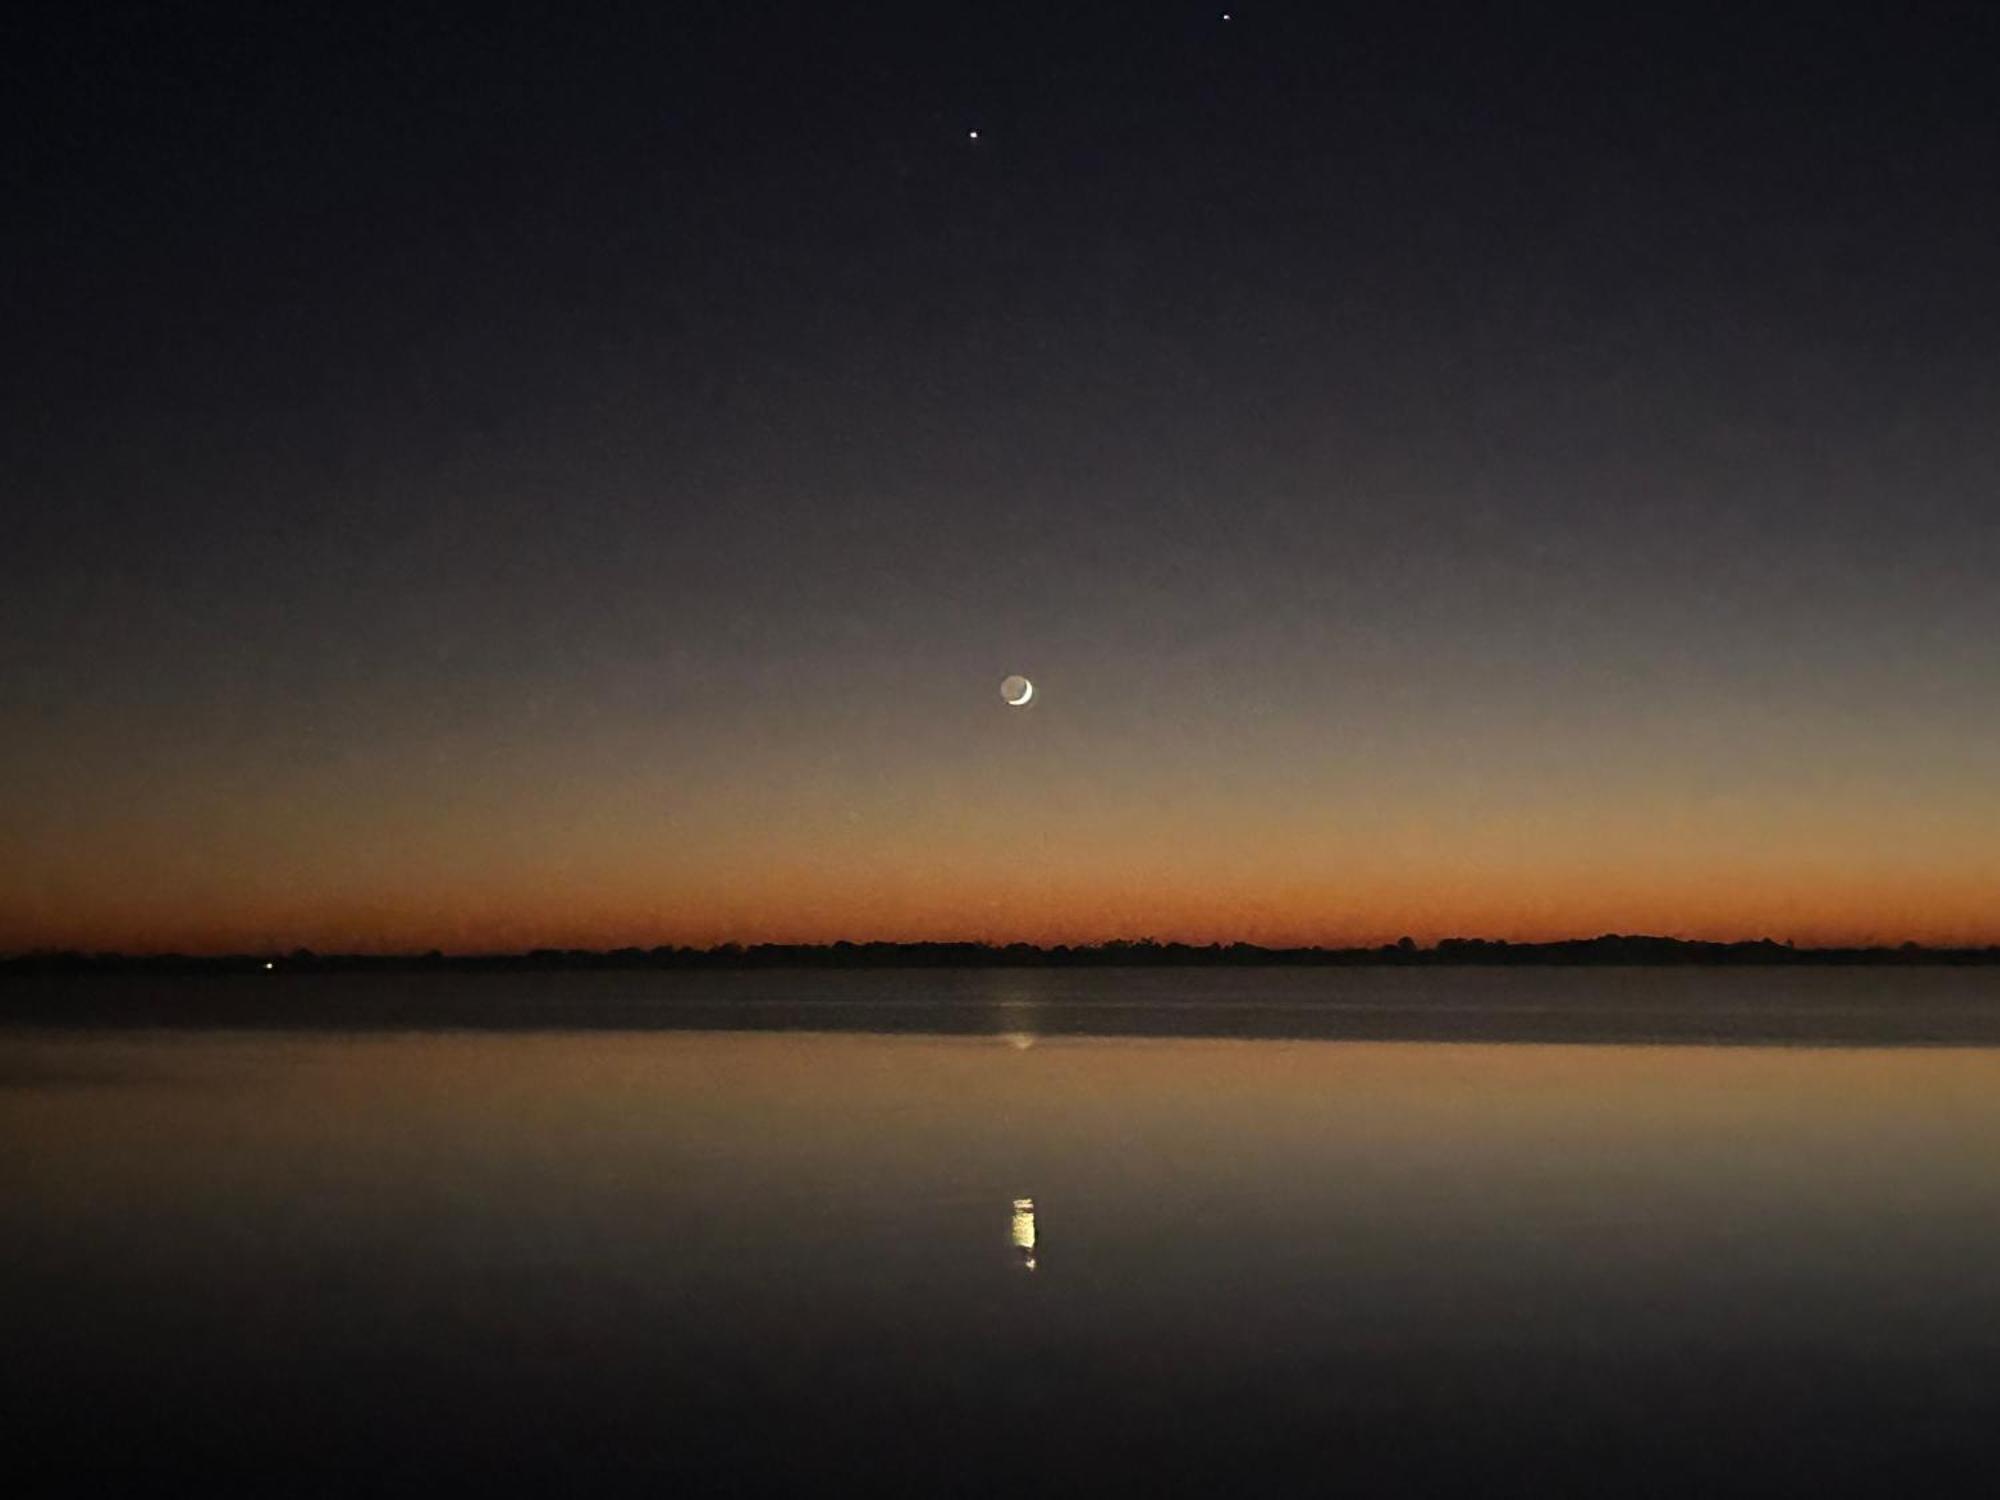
<point>964,1233</point>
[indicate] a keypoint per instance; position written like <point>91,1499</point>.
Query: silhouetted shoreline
<point>1608,950</point>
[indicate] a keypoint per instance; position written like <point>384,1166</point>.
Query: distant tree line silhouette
<point>1610,949</point>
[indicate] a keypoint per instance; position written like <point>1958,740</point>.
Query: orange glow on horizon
<point>800,910</point>
<point>1043,841</point>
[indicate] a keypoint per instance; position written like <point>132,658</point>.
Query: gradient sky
<point>502,477</point>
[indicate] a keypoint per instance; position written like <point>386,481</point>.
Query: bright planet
<point>1017,690</point>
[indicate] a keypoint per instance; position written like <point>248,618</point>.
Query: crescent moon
<point>1027,692</point>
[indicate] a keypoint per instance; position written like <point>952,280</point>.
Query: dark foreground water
<point>957,1239</point>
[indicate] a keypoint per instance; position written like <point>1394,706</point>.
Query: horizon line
<point>1145,949</point>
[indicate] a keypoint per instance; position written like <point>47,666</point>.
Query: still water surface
<point>977,1258</point>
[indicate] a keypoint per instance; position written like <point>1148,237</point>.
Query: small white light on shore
<point>972,135</point>
<point>269,965</point>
